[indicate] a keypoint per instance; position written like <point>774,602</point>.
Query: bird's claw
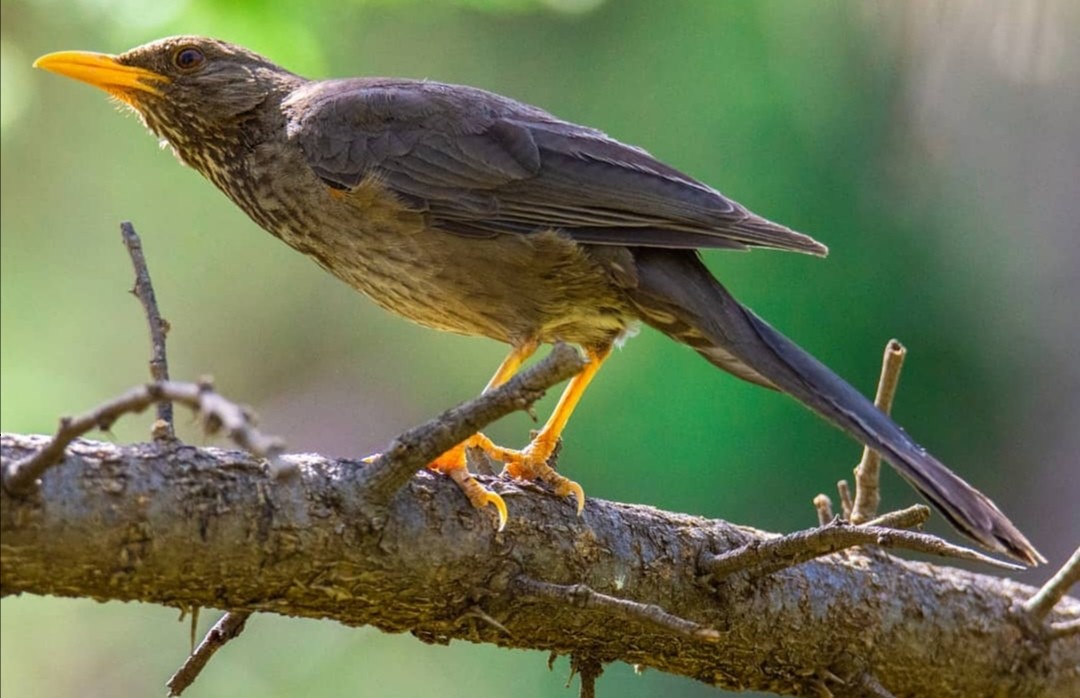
<point>530,464</point>
<point>567,487</point>
<point>479,495</point>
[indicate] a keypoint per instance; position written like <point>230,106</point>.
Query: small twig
<point>581,596</point>
<point>164,430</point>
<point>420,445</point>
<point>1056,587</point>
<point>867,472</point>
<point>915,515</point>
<point>481,614</point>
<point>845,499</point>
<point>195,613</point>
<point>227,628</point>
<point>824,509</point>
<point>217,413</point>
<point>589,669</point>
<point>772,555</point>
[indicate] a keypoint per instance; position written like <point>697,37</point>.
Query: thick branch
<point>182,526</point>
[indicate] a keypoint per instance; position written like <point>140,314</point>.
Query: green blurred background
<point>932,145</point>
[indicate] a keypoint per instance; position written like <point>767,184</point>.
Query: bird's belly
<point>511,288</point>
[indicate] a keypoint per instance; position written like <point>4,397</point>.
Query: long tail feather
<point>677,295</point>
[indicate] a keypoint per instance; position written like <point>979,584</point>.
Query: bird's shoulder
<point>378,102</point>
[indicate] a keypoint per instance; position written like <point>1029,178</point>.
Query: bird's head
<point>187,89</point>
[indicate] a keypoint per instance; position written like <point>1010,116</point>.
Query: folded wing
<point>480,165</point>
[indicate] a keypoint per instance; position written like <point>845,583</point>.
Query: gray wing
<point>480,165</point>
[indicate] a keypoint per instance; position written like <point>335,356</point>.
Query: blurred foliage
<point>795,109</point>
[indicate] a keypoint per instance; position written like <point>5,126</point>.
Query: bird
<point>470,212</point>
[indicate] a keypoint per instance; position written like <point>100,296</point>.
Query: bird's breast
<point>508,287</point>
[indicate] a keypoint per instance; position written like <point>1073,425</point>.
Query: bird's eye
<point>188,58</point>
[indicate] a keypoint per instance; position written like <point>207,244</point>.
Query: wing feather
<point>482,165</point>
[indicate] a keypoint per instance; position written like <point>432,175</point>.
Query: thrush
<point>470,212</point>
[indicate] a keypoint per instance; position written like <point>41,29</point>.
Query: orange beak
<point>103,71</point>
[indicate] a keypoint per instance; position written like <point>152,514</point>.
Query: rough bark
<point>185,526</point>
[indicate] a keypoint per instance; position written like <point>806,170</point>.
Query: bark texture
<point>185,526</point>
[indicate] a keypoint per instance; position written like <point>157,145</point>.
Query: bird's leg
<point>510,365</point>
<point>532,462</point>
<point>454,462</point>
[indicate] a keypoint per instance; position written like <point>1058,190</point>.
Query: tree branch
<point>21,476</point>
<point>158,326</point>
<point>1041,602</point>
<point>419,446</point>
<point>868,471</point>
<point>227,628</point>
<point>184,526</point>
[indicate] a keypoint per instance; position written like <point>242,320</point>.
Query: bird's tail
<point>677,295</point>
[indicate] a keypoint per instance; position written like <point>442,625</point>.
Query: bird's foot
<point>531,463</point>
<point>454,464</point>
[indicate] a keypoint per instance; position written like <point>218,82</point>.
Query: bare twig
<point>845,499</point>
<point>217,412</point>
<point>481,614</point>
<point>581,596</point>
<point>867,473</point>
<point>774,554</point>
<point>915,515</point>
<point>1047,597</point>
<point>824,509</point>
<point>227,628</point>
<point>196,611</point>
<point>417,447</point>
<point>159,328</point>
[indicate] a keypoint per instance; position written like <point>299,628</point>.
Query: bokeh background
<point>934,146</point>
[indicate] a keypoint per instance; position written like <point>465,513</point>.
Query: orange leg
<point>510,365</point>
<point>454,462</point>
<point>531,462</point>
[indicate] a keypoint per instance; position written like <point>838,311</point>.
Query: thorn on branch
<point>228,627</point>
<point>581,596</point>
<point>1044,600</point>
<point>775,554</point>
<point>868,471</point>
<point>22,476</point>
<point>420,445</point>
<point>163,429</point>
